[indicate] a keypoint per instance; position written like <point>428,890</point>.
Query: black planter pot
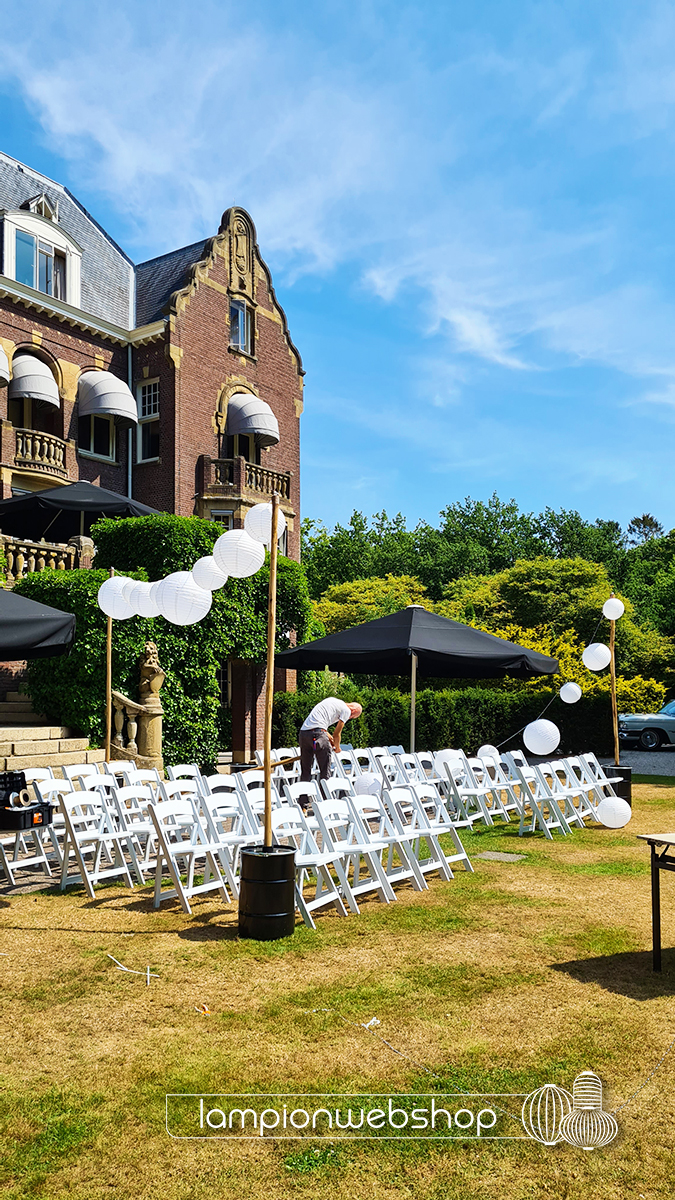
<point>267,893</point>
<point>624,787</point>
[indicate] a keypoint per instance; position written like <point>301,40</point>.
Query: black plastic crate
<point>33,817</point>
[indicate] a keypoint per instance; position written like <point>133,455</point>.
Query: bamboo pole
<point>269,682</point>
<point>612,670</point>
<point>108,684</point>
<point>413,699</point>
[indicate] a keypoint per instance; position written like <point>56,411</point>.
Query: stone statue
<point>152,677</point>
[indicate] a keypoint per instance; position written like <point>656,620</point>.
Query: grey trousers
<point>314,743</point>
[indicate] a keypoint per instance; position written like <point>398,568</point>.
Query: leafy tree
<point>347,604</point>
<point>642,529</point>
<point>502,532</point>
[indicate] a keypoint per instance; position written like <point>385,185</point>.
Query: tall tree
<point>643,529</point>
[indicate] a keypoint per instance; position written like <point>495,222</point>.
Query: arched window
<point>39,254</point>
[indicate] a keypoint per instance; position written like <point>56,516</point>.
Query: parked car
<point>649,730</point>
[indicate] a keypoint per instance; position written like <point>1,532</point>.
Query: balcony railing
<point>40,452</point>
<point>24,557</point>
<point>235,476</point>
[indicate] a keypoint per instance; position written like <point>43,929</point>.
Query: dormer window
<point>39,254</point>
<point>43,206</point>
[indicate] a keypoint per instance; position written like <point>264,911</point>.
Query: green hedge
<point>71,690</point>
<point>466,719</point>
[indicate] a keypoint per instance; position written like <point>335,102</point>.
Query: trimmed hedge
<point>466,719</point>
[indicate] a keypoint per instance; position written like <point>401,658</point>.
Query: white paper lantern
<point>258,523</point>
<point>613,609</point>
<point>207,574</point>
<point>368,784</point>
<point>614,812</point>
<point>181,601</point>
<point>111,599</point>
<point>127,589</point>
<point>489,752</point>
<point>570,693</point>
<point>541,737</point>
<point>142,600</point>
<point>596,656</point>
<point>443,756</point>
<point>236,553</point>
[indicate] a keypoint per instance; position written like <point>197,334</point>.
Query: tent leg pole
<point>413,699</point>
<point>108,685</point>
<point>269,682</point>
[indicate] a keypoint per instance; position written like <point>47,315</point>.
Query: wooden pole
<point>612,670</point>
<point>269,682</point>
<point>108,684</point>
<point>413,700</point>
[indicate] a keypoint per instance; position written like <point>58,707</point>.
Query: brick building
<point>174,381</point>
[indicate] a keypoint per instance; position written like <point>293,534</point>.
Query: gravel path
<point>648,762</point>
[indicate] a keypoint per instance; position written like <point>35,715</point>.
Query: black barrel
<point>267,893</point>
<point>624,787</point>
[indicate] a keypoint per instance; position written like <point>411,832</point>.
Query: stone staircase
<point>28,740</point>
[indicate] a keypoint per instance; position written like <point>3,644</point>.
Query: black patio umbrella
<point>32,630</point>
<point>413,637</point>
<point>63,512</point>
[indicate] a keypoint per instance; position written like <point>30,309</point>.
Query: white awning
<point>102,394</point>
<point>250,414</point>
<point>32,377</point>
<point>4,368</point>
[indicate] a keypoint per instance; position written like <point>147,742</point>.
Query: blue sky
<point>467,207</point>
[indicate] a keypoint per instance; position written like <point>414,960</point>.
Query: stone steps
<point>28,740</point>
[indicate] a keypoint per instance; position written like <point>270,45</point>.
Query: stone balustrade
<point>261,479</point>
<point>236,477</point>
<point>24,557</point>
<point>40,452</point>
<point>138,731</point>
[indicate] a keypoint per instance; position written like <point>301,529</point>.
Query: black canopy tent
<point>413,638</point>
<point>32,630</point>
<point>63,512</point>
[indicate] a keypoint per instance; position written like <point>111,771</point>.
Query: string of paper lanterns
<point>185,597</point>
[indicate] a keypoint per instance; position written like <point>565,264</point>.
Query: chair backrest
<point>38,774</point>
<point>250,780</point>
<point>220,784</point>
<point>183,771</point>
<point>170,789</point>
<point>337,787</point>
<point>136,795</point>
<point>348,762</point>
<point>389,768</point>
<point>395,750</point>
<point>77,771</point>
<point>295,792</point>
<point>115,768</point>
<point>52,789</point>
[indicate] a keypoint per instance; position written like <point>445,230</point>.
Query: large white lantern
<point>258,523</point>
<point>614,812</point>
<point>488,751</point>
<point>368,784</point>
<point>207,574</point>
<point>570,693</point>
<point>236,553</point>
<point>596,656</point>
<point>111,598</point>
<point>142,600</point>
<point>541,737</point>
<point>181,601</point>
<point>613,609</point>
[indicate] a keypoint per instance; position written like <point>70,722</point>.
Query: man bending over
<point>316,741</point>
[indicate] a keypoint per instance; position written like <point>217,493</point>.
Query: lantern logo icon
<point>588,1125</point>
<point>550,1115</point>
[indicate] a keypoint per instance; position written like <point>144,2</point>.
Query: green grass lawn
<point>520,974</point>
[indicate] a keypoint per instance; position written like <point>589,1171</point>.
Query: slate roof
<point>107,274</point>
<point>157,278</point>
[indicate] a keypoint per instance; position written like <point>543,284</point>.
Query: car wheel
<point>650,739</point>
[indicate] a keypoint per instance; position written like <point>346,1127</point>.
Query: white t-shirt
<point>326,713</point>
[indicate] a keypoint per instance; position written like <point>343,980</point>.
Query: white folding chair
<point>181,839</point>
<point>77,771</point>
<point>130,804</point>
<point>564,796</point>
<point>397,856</point>
<point>421,811</point>
<point>545,812</point>
<point>90,832</point>
<point>466,804</point>
<point>343,835</point>
<point>572,773</point>
<point>228,830</point>
<point>596,774</point>
<point>184,771</point>
<point>291,829</point>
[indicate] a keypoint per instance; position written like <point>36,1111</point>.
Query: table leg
<point>656,912</point>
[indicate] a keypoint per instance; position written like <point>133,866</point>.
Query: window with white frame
<point>148,420</point>
<point>96,436</point>
<point>241,326</point>
<point>223,516</point>
<point>38,254</point>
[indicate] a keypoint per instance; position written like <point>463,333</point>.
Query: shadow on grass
<point>627,974</point>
